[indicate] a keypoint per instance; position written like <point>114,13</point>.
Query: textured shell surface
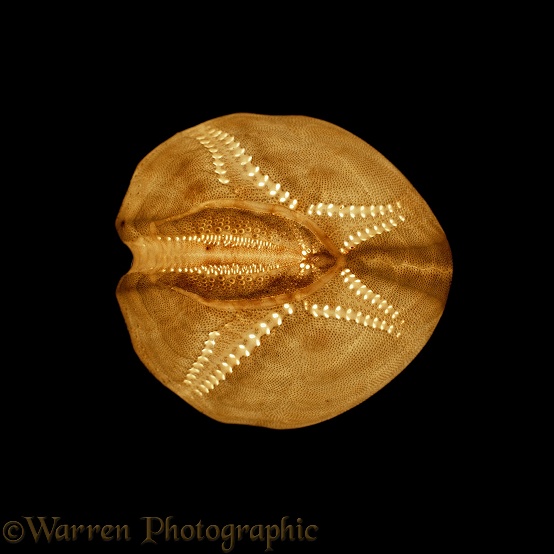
<point>283,270</point>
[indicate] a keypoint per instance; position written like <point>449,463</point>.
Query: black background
<point>90,436</point>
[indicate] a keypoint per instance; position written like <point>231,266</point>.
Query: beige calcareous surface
<point>283,270</point>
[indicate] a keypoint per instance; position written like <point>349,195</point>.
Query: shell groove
<point>283,270</point>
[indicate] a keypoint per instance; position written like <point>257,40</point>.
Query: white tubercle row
<point>349,314</point>
<point>370,231</point>
<point>367,295</point>
<point>382,216</point>
<point>361,290</point>
<point>209,370</point>
<point>217,239</point>
<point>342,210</point>
<point>224,149</point>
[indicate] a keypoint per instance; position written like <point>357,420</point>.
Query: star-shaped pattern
<point>367,309</point>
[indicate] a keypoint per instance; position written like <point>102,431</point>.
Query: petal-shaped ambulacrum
<point>283,270</point>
